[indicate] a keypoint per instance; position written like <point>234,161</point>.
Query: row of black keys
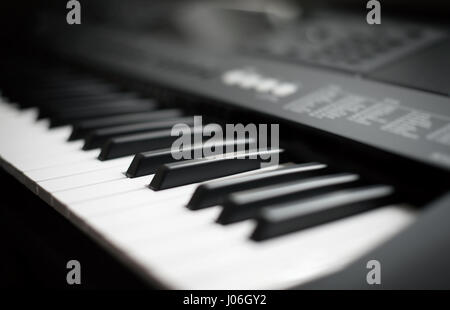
<point>285,199</point>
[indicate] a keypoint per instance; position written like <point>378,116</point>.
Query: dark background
<point>20,18</point>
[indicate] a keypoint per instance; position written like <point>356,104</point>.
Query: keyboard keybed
<point>71,139</point>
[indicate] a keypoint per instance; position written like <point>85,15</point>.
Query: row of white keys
<point>188,245</point>
<point>18,130</point>
<point>79,167</point>
<point>54,158</point>
<point>283,261</point>
<point>164,224</point>
<point>29,145</point>
<point>104,189</point>
<point>287,260</point>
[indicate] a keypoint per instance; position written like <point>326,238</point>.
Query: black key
<point>52,108</point>
<point>79,98</point>
<point>45,93</point>
<point>82,128</point>
<point>66,83</point>
<point>199,170</point>
<point>148,162</point>
<point>61,98</point>
<point>144,142</point>
<point>61,90</point>
<point>95,113</point>
<point>246,204</point>
<point>97,105</point>
<point>285,218</point>
<point>212,193</point>
<point>96,138</point>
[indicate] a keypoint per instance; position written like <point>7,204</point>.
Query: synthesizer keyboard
<point>94,146</point>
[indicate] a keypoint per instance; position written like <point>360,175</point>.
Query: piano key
<point>246,204</point>
<point>54,97</point>
<point>83,179</point>
<point>132,144</point>
<point>20,139</point>
<point>56,159</point>
<point>68,86</point>
<point>22,134</point>
<point>123,221</point>
<point>168,204</point>
<point>109,205</point>
<point>61,111</point>
<point>98,137</point>
<point>40,79</point>
<point>47,188</point>
<point>160,249</point>
<point>82,128</point>
<point>207,233</point>
<point>7,109</point>
<point>25,160</point>
<point>124,209</point>
<point>15,116</point>
<point>91,164</point>
<point>73,83</point>
<point>40,132</point>
<point>32,136</point>
<point>94,113</point>
<point>100,190</point>
<point>41,145</point>
<point>212,193</point>
<point>285,218</point>
<point>50,106</point>
<point>295,258</point>
<point>148,162</point>
<point>54,105</point>
<point>198,170</point>
<point>106,206</point>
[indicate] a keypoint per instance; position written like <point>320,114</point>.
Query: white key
<point>117,203</point>
<point>85,179</point>
<point>130,199</point>
<point>79,167</point>
<point>101,190</point>
<point>219,266</point>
